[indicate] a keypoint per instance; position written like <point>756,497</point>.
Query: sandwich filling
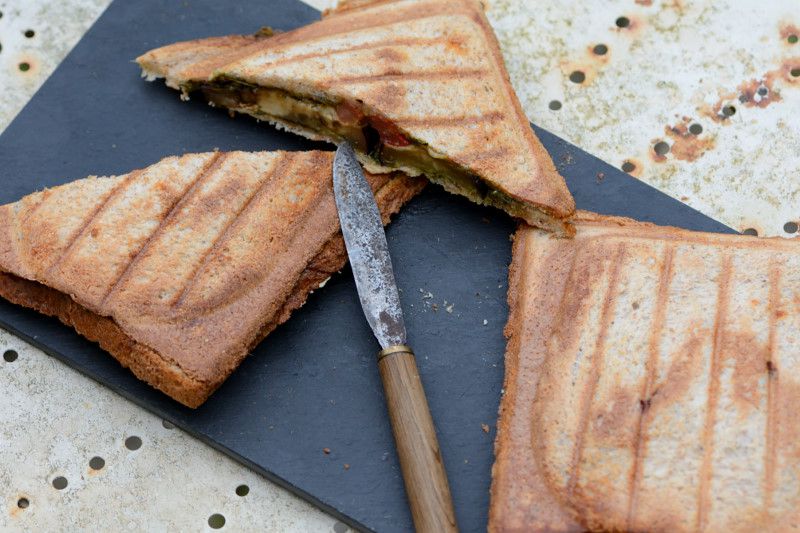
<point>375,138</point>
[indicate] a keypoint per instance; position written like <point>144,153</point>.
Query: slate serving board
<point>313,383</point>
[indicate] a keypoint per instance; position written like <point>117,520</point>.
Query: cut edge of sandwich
<point>506,511</point>
<point>380,144</point>
<point>155,368</point>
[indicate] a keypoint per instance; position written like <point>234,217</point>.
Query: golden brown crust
<point>431,67</point>
<point>145,363</point>
<point>8,255</point>
<point>192,274</point>
<point>650,382</point>
<point>520,500</point>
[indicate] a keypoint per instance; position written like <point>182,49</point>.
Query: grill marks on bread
<point>181,268</point>
<point>648,384</point>
<point>773,385</point>
<point>211,166</point>
<point>122,225</point>
<point>263,187</point>
<point>670,409</point>
<point>598,353</point>
<point>86,223</point>
<point>713,394</point>
<point>421,75</point>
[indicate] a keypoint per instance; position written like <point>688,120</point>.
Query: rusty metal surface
<point>35,36</point>
<point>150,476</point>
<point>730,66</point>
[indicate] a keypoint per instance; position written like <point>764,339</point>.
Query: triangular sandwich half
<point>416,85</point>
<point>652,379</point>
<point>179,269</point>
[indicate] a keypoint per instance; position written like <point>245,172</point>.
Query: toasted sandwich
<point>414,85</point>
<point>651,382</point>
<point>180,269</point>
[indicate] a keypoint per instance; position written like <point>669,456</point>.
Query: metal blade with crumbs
<point>367,249</point>
<point>417,446</point>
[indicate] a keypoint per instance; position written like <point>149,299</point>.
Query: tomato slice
<point>390,134</point>
<point>348,113</point>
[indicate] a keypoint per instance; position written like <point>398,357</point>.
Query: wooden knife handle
<point>417,446</point>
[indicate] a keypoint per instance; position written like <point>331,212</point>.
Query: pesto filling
<point>324,119</point>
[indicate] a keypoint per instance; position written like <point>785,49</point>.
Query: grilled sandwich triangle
<point>415,85</point>
<point>180,269</point>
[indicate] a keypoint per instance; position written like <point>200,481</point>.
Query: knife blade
<point>415,435</point>
<point>367,249</point>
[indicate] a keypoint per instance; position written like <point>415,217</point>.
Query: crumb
<point>326,451</point>
<point>485,220</point>
<point>485,321</point>
<point>435,307</point>
<point>448,308</point>
<point>485,428</point>
<point>346,466</point>
<point>600,177</point>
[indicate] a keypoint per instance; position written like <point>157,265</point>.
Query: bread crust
<point>520,500</point>
<point>181,374</point>
<point>650,381</point>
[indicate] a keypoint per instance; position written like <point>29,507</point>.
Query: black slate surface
<point>312,384</point>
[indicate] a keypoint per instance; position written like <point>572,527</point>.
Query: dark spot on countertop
<point>758,92</point>
<point>686,145</point>
<point>632,166</point>
<point>789,33</point>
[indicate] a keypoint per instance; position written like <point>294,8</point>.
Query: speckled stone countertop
<point>697,98</point>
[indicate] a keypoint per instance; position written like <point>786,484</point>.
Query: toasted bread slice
<point>415,85</point>
<point>178,270</point>
<point>651,382</point>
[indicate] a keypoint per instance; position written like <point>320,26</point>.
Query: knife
<point>414,433</point>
